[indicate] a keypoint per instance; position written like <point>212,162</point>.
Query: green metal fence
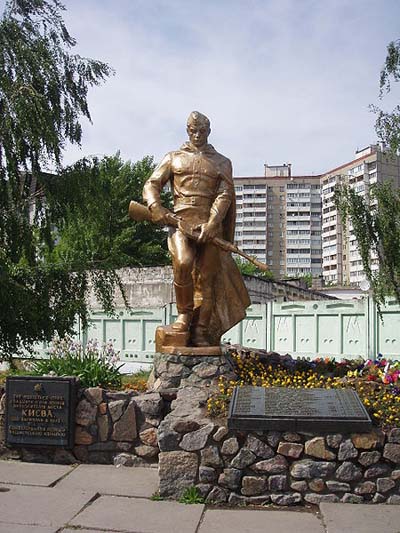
<point>342,328</point>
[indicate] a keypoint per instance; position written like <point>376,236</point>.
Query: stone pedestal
<point>168,340</point>
<point>171,371</point>
<point>280,467</point>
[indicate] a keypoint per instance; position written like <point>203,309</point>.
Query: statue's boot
<point>200,333</point>
<point>184,304</point>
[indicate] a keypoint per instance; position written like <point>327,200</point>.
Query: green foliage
<point>43,87</point>
<point>387,127</point>
<point>388,123</point>
<point>306,278</point>
<point>92,197</point>
<point>94,365</point>
<point>191,495</point>
<point>391,66</point>
<point>43,95</point>
<point>376,225</point>
<point>249,269</point>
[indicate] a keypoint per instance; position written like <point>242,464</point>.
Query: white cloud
<point>281,80</point>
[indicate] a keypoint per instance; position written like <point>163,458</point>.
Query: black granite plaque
<point>278,408</point>
<point>40,411</point>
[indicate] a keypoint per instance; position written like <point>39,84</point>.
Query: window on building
<point>298,251</point>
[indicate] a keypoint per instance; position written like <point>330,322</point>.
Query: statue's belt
<point>193,200</point>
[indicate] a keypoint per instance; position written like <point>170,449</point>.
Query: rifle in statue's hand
<point>140,213</point>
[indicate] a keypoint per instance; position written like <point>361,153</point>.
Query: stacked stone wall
<point>284,468</point>
<point>171,372</point>
<point>109,427</point>
<point>170,424</point>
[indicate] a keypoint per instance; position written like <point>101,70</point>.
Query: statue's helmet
<point>197,118</point>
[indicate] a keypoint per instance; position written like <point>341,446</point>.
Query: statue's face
<point>198,134</point>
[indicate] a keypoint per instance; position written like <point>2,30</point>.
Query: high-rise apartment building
<point>341,260</point>
<point>279,220</point>
<point>291,223</point>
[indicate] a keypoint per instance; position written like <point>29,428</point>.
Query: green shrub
<point>94,364</point>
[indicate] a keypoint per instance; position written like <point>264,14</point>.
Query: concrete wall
<point>263,291</point>
<point>144,287</point>
<point>153,287</point>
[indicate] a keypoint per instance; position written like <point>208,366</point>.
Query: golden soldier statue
<point>210,294</point>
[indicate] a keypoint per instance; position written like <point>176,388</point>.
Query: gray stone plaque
<point>40,411</point>
<point>278,408</point>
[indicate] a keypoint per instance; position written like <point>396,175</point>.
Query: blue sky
<point>281,80</point>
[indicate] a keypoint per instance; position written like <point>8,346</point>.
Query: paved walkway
<point>36,498</point>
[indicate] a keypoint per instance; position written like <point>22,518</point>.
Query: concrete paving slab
<point>89,531</point>
<point>8,528</point>
<point>351,518</point>
<point>40,506</point>
<point>92,531</point>
<point>259,521</point>
<point>139,514</point>
<point>107,479</point>
<point>31,473</point>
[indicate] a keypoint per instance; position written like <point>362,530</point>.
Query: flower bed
<point>238,467</point>
<point>94,364</point>
<point>376,382</point>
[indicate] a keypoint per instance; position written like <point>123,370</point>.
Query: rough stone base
<point>110,426</point>
<point>194,351</point>
<point>285,468</point>
<point>171,371</point>
<point>235,467</point>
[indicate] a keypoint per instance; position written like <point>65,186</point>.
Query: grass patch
<point>156,497</point>
<point>191,495</point>
<point>136,381</point>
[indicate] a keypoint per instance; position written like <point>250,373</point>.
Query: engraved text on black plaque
<point>276,408</point>
<point>40,411</point>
